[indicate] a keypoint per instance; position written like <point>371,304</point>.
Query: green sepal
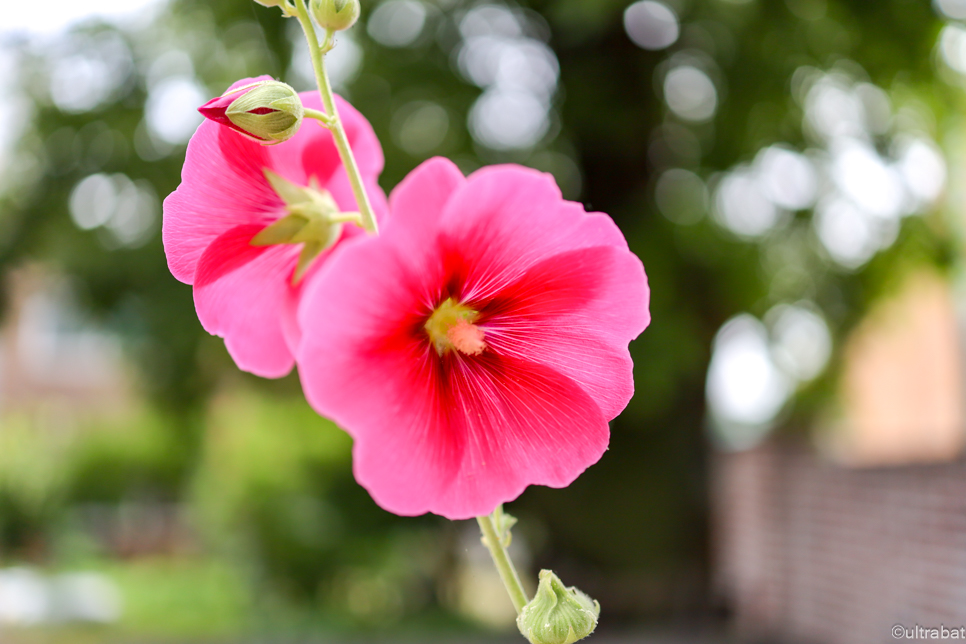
<point>290,193</point>
<point>557,614</point>
<point>504,523</point>
<point>317,230</point>
<point>313,219</point>
<point>310,251</point>
<point>282,231</point>
<point>274,127</point>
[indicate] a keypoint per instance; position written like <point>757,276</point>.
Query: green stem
<point>505,567</point>
<point>317,52</point>
<point>345,217</point>
<point>318,116</point>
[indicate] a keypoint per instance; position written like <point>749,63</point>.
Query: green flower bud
<point>271,112</point>
<point>557,614</point>
<point>335,15</point>
<point>267,111</point>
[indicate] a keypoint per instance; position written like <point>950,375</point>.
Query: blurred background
<point>791,468</point>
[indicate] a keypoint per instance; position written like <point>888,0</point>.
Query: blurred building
<point>54,363</point>
<point>862,530</point>
<point>808,551</point>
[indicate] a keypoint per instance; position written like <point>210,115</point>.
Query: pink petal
<point>248,81</point>
<point>575,313</point>
<point>216,110</point>
<point>371,291</point>
<point>222,187</point>
<point>247,308</point>
<point>507,218</point>
<point>508,222</point>
<point>458,438</point>
<point>521,423</point>
<point>418,201</point>
<point>229,251</point>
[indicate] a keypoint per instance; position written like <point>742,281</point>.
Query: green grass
<point>164,600</point>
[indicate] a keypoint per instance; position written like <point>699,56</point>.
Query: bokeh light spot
<point>397,23</point>
<point>490,20</point>
<point>420,127</point>
<point>744,386</point>
<point>787,178</point>
<point>681,196</point>
<point>651,25</point>
<point>850,235</point>
<point>801,341</point>
<point>865,178</point>
<point>89,72</point>
<point>690,94</point>
<point>955,9</point>
<point>742,207</point>
<point>923,169</point>
<point>507,120</point>
<point>127,209</point>
<point>171,110</point>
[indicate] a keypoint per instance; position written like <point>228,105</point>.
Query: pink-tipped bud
<point>215,110</point>
<point>266,111</point>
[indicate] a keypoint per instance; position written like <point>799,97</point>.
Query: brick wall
<point>806,551</point>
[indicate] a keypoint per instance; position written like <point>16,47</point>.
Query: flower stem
<point>317,52</point>
<point>493,541</point>
<point>318,115</point>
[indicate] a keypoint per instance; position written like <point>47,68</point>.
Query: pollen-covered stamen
<point>451,326</point>
<point>467,338</point>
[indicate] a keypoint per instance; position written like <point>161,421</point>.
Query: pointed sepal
<point>310,251</point>
<point>282,231</point>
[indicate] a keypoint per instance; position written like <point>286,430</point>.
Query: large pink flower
<point>479,345</point>
<point>246,293</point>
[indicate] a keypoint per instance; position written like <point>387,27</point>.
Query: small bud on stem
<point>557,614</point>
<point>267,111</point>
<point>335,15</point>
<point>288,9</point>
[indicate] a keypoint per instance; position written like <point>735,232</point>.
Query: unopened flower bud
<point>335,15</point>
<point>557,614</point>
<point>266,111</point>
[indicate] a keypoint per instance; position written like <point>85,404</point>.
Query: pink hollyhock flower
<point>479,345</point>
<point>246,293</point>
